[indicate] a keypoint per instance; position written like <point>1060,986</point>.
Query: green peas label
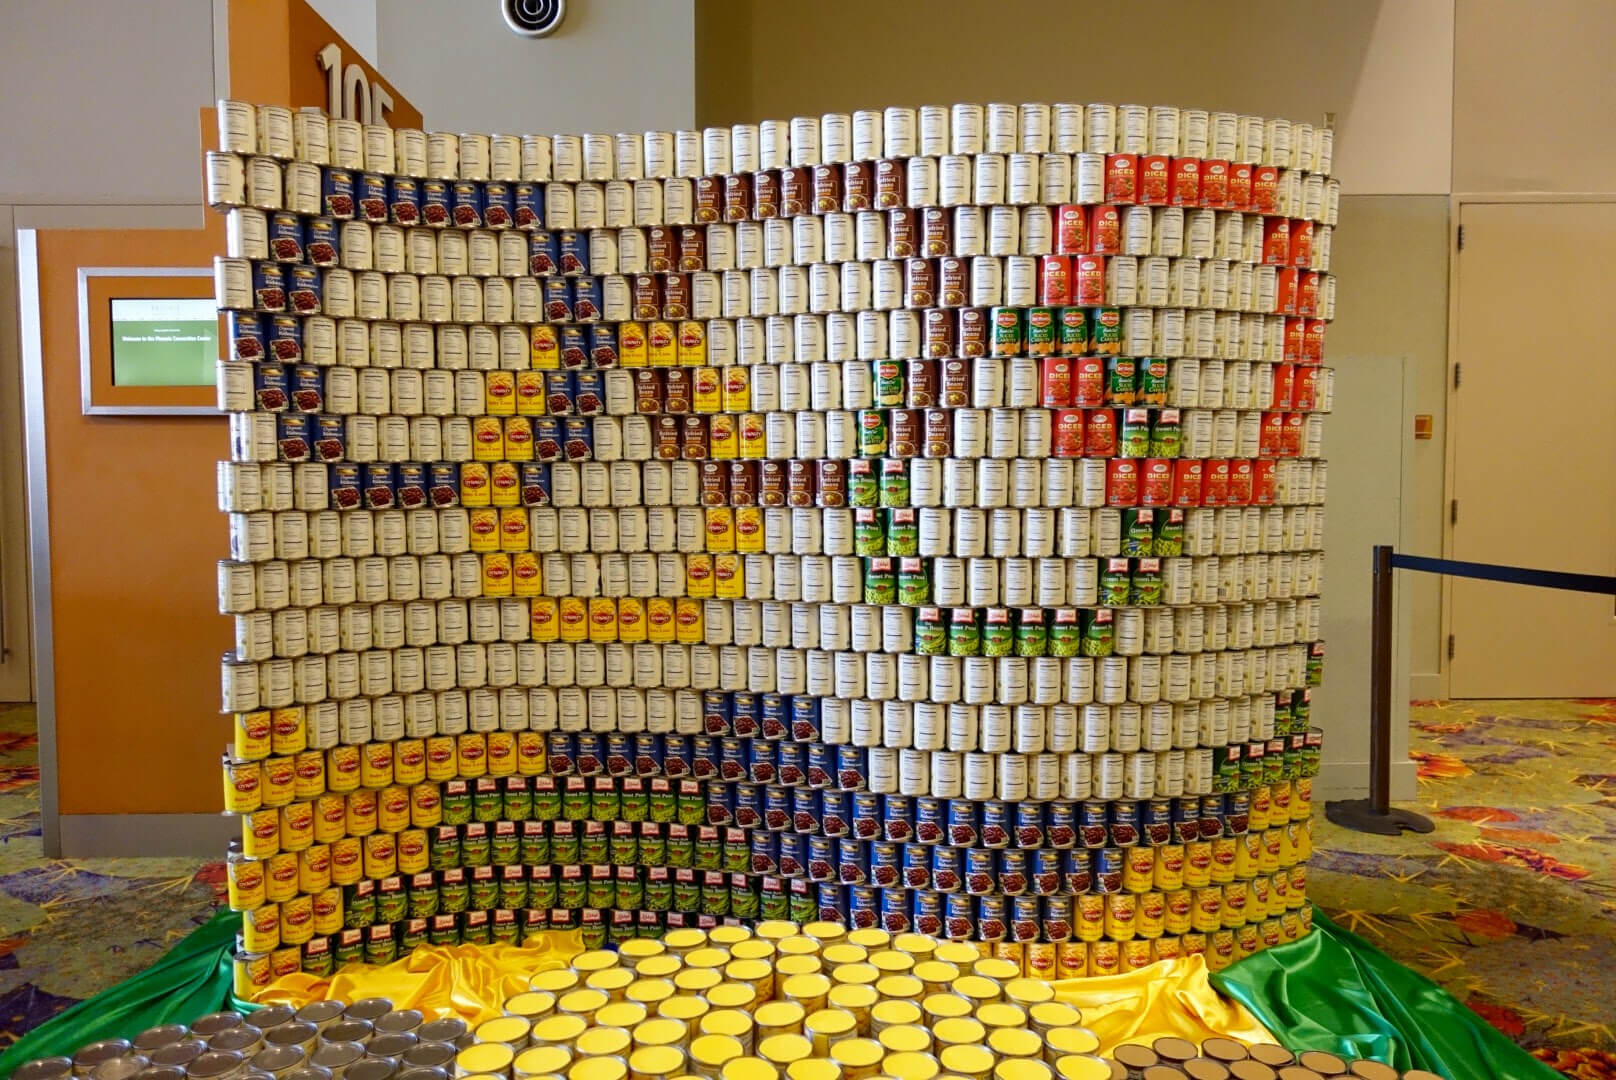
<point>1099,632</point>
<point>998,636</point>
<point>894,483</point>
<point>1065,635</point>
<point>575,799</point>
<point>914,587</point>
<point>903,533</point>
<point>634,804</point>
<point>456,803</point>
<point>605,804</point>
<point>681,847</point>
<point>1169,539</point>
<point>653,846</point>
<point>869,532</point>
<point>880,581</point>
<point>1032,637</point>
<point>964,639</point>
<point>487,801</point>
<point>1134,438</point>
<point>546,799</point>
<point>664,806</point>
<point>1115,582</point>
<point>1166,436</point>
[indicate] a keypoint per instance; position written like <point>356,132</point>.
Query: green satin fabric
<point>1334,991</point>
<point>191,980</point>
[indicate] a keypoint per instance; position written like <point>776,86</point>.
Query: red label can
<point>1307,292</point>
<point>1313,342</point>
<point>956,384</point>
<point>1239,197</point>
<point>1088,382</point>
<point>900,233</point>
<point>737,197</point>
<point>1185,185</point>
<point>1122,482</point>
<point>765,195</point>
<point>1301,242</point>
<point>1295,426</point>
<point>972,340</point>
<point>939,433</point>
<point>1305,395</point>
<point>1284,385</point>
<point>1215,184</point>
<point>1285,284</point>
<point>1090,274</point>
<point>1105,231</point>
<point>709,199</point>
<point>936,232</point>
<point>889,183</point>
<point>1055,280</point>
<point>1072,229</point>
<point>1155,179</point>
<point>858,186</point>
<point>1068,436</point>
<point>1271,440</point>
<point>1057,382</point>
<point>1122,178</point>
<point>1187,482</point>
<point>1100,433</point>
<point>796,192</point>
<point>1156,482</point>
<point>1215,482</point>
<point>1264,481</point>
<point>1265,189</point>
<point>1276,241</point>
<point>1295,338</point>
<point>919,283</point>
<point>1239,483</point>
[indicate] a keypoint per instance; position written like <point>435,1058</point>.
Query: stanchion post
<point>1376,813</point>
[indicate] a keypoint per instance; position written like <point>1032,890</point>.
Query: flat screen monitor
<point>164,341</point>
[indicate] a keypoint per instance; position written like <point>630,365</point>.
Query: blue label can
<point>562,752</point>
<point>547,438</point>
<point>720,804</point>
<point>590,400</point>
<point>963,827</point>
<point>1237,812</point>
<point>866,815</point>
<point>248,340</point>
<point>1060,827</point>
<point>821,858</point>
<point>1077,870</point>
<point>528,210</point>
<point>1026,916</point>
<point>1186,819</point>
<point>805,718</point>
<point>577,438</point>
<point>886,864</point>
<point>748,805</point>
<point>947,868</point>
<point>585,297</point>
<point>776,808</point>
<point>821,765</point>
<point>434,204</point>
<point>1108,870</point>
<point>404,201</point>
<point>852,861</point>
<point>916,866</point>
<point>466,204</point>
<point>591,754</point>
<point>497,204</point>
<point>285,338</point>
<point>535,481</point>
<point>560,397</point>
<point>931,819</point>
<point>557,300</point>
<point>285,237</point>
<point>793,854</point>
<point>761,760</point>
<point>574,251</point>
<point>347,487</point>
<point>1156,822</point>
<point>832,902</point>
<point>543,253</point>
<point>269,286</point>
<point>337,192</point>
<point>305,289</point>
<point>895,918</point>
<point>372,198</point>
<point>765,852</point>
<point>731,759</point>
<point>703,757</point>
<point>959,917</point>
<point>574,345</point>
<point>410,475</point>
<point>852,771</point>
<point>744,706</point>
<point>775,710</point>
<point>992,917</point>
<point>1029,824</point>
<point>330,438</point>
<point>1013,871</point>
<point>996,824</point>
<point>647,755</point>
<point>897,818</point>
<point>835,813</point>
<point>792,765</point>
<point>1212,814</point>
<point>676,756</point>
<point>603,348</point>
<point>324,244</point>
<point>619,754</point>
<point>981,871</point>
<point>804,810</point>
<point>1057,917</point>
<point>380,486</point>
<point>863,906</point>
<point>1046,871</point>
<point>1124,823</point>
<point>444,483</point>
<point>926,912</point>
<point>1093,823</point>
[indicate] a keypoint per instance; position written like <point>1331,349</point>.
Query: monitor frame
<point>98,286</point>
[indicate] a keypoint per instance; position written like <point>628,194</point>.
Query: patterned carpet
<point>1510,904</point>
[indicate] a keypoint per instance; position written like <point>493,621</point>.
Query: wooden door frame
<point>1456,203</point>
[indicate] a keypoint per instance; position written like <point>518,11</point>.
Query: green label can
<point>687,892</point>
<point>572,890</point>
<point>931,631</point>
<point>894,483</point>
<point>914,586</point>
<point>773,903</point>
<point>1008,335</point>
<point>869,532</point>
<point>1153,381</point>
<point>1065,635</point>
<point>903,532</point>
<point>863,489</point>
<point>1169,541</point>
<point>743,901</point>
<point>546,799</point>
<point>633,802</point>
<point>889,384</point>
<point>964,638</point>
<point>1032,636</point>
<point>1105,333</point>
<point>1138,531</point>
<point>487,800</point>
<point>1041,331</point>
<point>681,846</point>
<point>653,845</point>
<point>1115,582</point>
<point>873,433</point>
<point>564,843</point>
<point>1166,435</point>
<point>1074,331</point>
<point>542,890</point>
<point>1099,632</point>
<point>663,805</point>
<point>658,889</point>
<point>998,633</point>
<point>880,581</point>
<point>454,892</point>
<point>714,894</point>
<point>1147,583</point>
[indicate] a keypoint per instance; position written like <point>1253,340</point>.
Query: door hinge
<point>1450,646</point>
<point>1461,238</point>
<point>1456,374</point>
<point>1453,511</point>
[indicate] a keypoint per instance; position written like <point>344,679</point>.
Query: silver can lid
<point>51,1068</point>
<point>212,1024</point>
<point>446,1030</point>
<point>394,1044</point>
<point>321,1013</point>
<point>371,1009</point>
<point>422,1072</point>
<point>295,1033</point>
<point>308,1072</point>
<point>277,1059</point>
<point>337,1055</point>
<point>372,1069</point>
<point>243,1037</point>
<point>182,1053</point>
<point>161,1072</point>
<point>215,1064</point>
<point>430,1055</point>
<point>152,1038</point>
<point>270,1016</point>
<point>348,1029</point>
<point>399,1020</point>
<point>88,1057</point>
<point>122,1067</point>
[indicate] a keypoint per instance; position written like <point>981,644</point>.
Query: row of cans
<point>802,141</point>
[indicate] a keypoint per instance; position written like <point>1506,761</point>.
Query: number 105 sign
<point>350,95</point>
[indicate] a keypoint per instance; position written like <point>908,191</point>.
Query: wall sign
<point>349,94</point>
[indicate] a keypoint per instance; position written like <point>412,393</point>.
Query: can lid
<point>634,950</point>
<point>831,1022</point>
<point>806,986</point>
<point>1015,1042</point>
<point>855,974</point>
<point>969,1060</point>
<point>610,980</point>
<point>905,1039</point>
<point>662,966</point>
<point>725,936</point>
<point>504,1029</point>
<point>732,1022</point>
<point>958,953</point>
<point>856,1053</point>
<point>581,1002</point>
<point>959,1031</point>
<point>711,1051</point>
<point>910,1066</point>
<point>1027,992</point>
<point>707,958</point>
<point>1046,1015</point>
<point>697,980</point>
<point>798,946</point>
<point>856,998</point>
<point>891,961</point>
<point>603,1042</point>
<point>51,1068</point>
<point>1082,1067</point>
<point>813,1069</point>
<point>557,981</point>
<point>775,929</point>
<point>748,970</point>
<point>976,988</point>
<point>1001,1014</point>
<point>944,1005</point>
<point>884,1013</point>
<point>824,932</point>
<point>1072,1040</point>
<point>870,937</point>
<point>782,1050</point>
<point>995,967</point>
<point>621,1014</point>
<point>1021,1069</point>
<point>430,1055</point>
<point>938,972</point>
<point>652,1061</point>
<point>845,952</point>
<point>731,995</point>
<point>662,1030</point>
<point>559,1029</point>
<point>900,986</point>
<point>799,964</point>
<point>684,939</point>
<point>531,1004</point>
<point>748,1068</point>
<point>542,1060</point>
<point>598,1068</point>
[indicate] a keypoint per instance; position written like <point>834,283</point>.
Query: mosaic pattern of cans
<point>909,517</point>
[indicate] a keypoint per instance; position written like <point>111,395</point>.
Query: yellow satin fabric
<point>1170,997</point>
<point>469,981</point>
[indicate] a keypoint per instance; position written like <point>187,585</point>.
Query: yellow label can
<point>544,347</point>
<point>362,812</point>
<point>1152,916</point>
<point>471,755</point>
<point>699,582</point>
<point>330,818</point>
<point>288,731</point>
<point>376,765</point>
<point>314,868</point>
<point>297,826</point>
<point>1138,869</point>
<point>243,786</point>
<point>518,433</point>
<point>513,535</point>
<point>328,910</point>
<point>381,855</point>
<point>729,577</point>
<point>602,620</point>
<point>261,928</point>
<point>689,624</point>
<point>409,761</point>
<point>1089,924</point>
<point>691,346</point>
<point>749,529</point>
<point>1072,959</point>
<point>527,578</point>
<point>440,758</point>
<point>487,442</point>
<point>532,757</point>
<point>573,619</point>
<point>393,809</point>
<point>280,877</point>
<point>723,437</point>
<point>502,753</point>
<point>1180,905</point>
<point>310,770</point>
<point>1198,864</point>
<point>632,348</point>
<point>1136,955</point>
<point>297,919</point>
<point>245,885</point>
<point>342,768</point>
<point>347,860</point>
<point>544,619</point>
<point>499,393</point>
<point>660,625</point>
<point>1121,915</point>
<point>250,973</point>
<point>279,781</point>
<point>1207,914</point>
<point>662,348</point>
<point>737,388</point>
<point>631,627</point>
<point>720,529</point>
<point>253,736</point>
<point>287,960</point>
<point>707,390</point>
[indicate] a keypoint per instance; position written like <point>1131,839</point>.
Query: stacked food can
<point>909,518</point>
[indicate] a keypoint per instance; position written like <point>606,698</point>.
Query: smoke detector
<point>534,18</point>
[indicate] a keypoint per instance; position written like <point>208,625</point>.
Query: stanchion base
<point>1360,815</point>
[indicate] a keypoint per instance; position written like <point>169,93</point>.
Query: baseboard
<point>1425,687</point>
<point>1350,780</point>
<point>146,835</point>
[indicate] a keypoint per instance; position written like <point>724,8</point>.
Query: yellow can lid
<point>831,1022</point>
<point>996,967</point>
<point>732,1022</point>
<point>959,1031</point>
<point>594,960</point>
<point>978,988</point>
<point>798,946</point>
<point>855,974</point>
<point>749,1068</point>
<point>731,995</point>
<point>1015,1043</point>
<point>857,1053</point>
<point>782,1050</point>
<point>603,1042</point>
<point>900,986</point>
<point>891,961</point>
<point>542,1061</point>
<point>693,980</point>
<point>707,958</point>
<point>748,971</point>
<point>871,937</point>
<point>623,1014</point>
<point>800,987</point>
<point>634,950</point>
<point>684,1008</point>
<point>725,936</point>
<point>1082,1067</point>
<point>598,1068</point>
<point>1029,991</point>
<point>823,932</point>
<point>779,1014</point>
<point>887,1013</point>
<point>910,1066</point>
<point>684,939</point>
<point>752,949</point>
<point>957,952</point>
<point>936,972</point>
<point>918,946</point>
<point>558,981</point>
<point>660,1031</point>
<point>661,966</point>
<point>512,1030</point>
<point>905,1039</point>
<point>648,991</point>
<point>775,929</point>
<point>814,1069</point>
<point>797,964</point>
<point>1001,1014</point>
<point>656,1061</point>
<point>484,1057</point>
<point>971,1060</point>
<point>610,981</point>
<point>531,1004</point>
<point>559,1029</point>
<point>844,952</point>
<point>1072,1040</point>
<point>1053,1014</point>
<point>854,997</point>
<point>940,1006</point>
<point>1022,1069</point>
<point>581,1002</point>
<point>711,1051</point>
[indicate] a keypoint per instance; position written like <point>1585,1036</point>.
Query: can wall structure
<point>908,517</point>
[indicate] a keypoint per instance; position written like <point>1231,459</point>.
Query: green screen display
<point>164,342</point>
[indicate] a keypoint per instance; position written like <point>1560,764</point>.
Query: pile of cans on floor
<point>909,517</point>
<point>815,1003</point>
